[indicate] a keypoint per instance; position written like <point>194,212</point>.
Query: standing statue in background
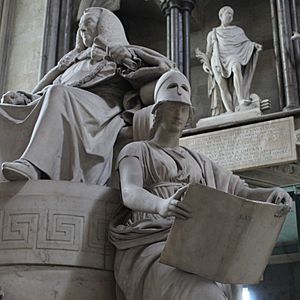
<point>67,127</point>
<point>230,61</point>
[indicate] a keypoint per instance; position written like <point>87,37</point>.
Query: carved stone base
<point>59,283</point>
<point>55,225</point>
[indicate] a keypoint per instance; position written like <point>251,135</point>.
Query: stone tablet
<point>229,239</point>
<point>250,146</point>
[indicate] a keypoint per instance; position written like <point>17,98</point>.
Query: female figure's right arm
<point>137,198</point>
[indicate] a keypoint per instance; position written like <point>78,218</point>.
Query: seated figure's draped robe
<point>140,237</point>
<point>70,131</point>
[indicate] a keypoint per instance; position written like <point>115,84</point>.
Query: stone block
<point>249,146</point>
<point>56,223</point>
<point>53,241</point>
<point>56,283</point>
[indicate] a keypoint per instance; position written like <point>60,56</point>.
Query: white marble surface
<point>56,223</point>
<point>26,46</point>
<point>54,242</point>
<point>56,283</point>
<point>250,146</point>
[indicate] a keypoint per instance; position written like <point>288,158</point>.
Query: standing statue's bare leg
<point>225,93</point>
<point>238,82</point>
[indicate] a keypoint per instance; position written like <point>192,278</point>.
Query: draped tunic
<point>230,46</point>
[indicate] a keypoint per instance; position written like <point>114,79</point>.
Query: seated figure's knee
<point>56,94</point>
<point>56,89</point>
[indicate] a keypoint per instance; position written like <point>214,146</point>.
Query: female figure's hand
<point>173,207</point>
<point>282,198</point>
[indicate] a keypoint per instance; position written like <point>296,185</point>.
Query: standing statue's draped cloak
<point>230,46</point>
<point>140,237</point>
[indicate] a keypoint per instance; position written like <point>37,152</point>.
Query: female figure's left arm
<point>271,195</point>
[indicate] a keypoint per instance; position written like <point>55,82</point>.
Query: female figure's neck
<point>166,138</point>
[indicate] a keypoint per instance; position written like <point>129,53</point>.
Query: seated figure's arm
<point>137,198</point>
<point>23,98</point>
<point>272,195</point>
<point>47,79</point>
<point>63,64</point>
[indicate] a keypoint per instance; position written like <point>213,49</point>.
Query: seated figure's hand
<point>122,56</point>
<point>15,98</point>
<point>97,54</point>
<point>173,207</point>
<point>282,198</point>
<point>18,98</point>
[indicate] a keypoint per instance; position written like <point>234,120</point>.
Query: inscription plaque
<point>250,146</point>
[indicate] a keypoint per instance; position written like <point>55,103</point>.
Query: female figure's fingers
<point>178,210</point>
<point>180,192</point>
<point>177,215</point>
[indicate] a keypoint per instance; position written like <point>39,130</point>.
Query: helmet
<point>172,86</point>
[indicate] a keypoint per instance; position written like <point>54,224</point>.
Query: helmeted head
<point>172,86</point>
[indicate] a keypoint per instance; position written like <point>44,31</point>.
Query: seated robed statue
<point>67,127</point>
<point>154,174</point>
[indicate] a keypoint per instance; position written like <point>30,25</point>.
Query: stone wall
<point>26,45</point>
<point>253,16</point>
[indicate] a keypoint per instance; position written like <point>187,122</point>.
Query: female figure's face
<point>88,29</point>
<point>174,116</point>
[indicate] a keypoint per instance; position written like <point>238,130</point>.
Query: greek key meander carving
<point>55,230</point>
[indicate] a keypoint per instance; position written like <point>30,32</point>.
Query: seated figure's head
<point>226,15</point>
<point>172,96</point>
<point>88,26</point>
<point>99,22</point>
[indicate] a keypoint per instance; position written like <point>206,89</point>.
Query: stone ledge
<point>59,283</point>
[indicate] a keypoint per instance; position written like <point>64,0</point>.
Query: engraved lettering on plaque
<point>250,146</point>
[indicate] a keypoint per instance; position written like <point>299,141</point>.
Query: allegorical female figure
<point>154,174</point>
<point>66,129</point>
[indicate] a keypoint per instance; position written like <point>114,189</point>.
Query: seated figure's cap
<point>172,86</point>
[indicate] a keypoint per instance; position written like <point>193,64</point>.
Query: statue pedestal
<point>53,241</point>
<point>228,118</point>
